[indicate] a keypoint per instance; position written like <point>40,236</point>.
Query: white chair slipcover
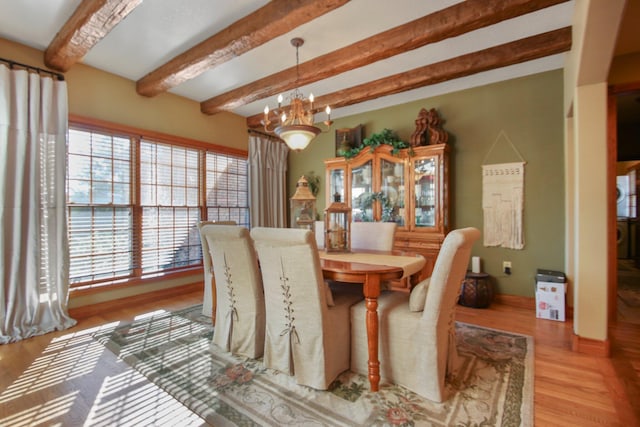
<point>240,311</point>
<point>417,349</point>
<point>305,337</point>
<point>375,236</point>
<point>209,300</point>
<point>319,232</point>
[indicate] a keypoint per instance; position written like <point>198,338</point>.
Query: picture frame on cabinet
<point>347,139</point>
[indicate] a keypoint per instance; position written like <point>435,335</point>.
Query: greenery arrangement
<point>366,201</point>
<point>386,136</point>
<point>314,182</point>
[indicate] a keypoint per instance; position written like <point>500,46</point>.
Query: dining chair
<point>376,236</point>
<point>319,233</point>
<point>240,311</point>
<point>209,299</point>
<point>307,334</point>
<point>417,341</point>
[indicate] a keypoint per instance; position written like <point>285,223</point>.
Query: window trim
<point>114,285</point>
<point>91,124</point>
<point>97,125</point>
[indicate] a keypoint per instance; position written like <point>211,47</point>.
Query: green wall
<point>529,111</point>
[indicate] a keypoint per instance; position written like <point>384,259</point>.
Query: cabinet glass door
<point>362,192</point>
<point>337,185</point>
<point>425,192</point>
<point>392,188</point>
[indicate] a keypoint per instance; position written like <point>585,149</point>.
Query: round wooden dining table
<point>370,268</point>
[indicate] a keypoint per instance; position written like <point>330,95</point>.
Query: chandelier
<point>296,126</point>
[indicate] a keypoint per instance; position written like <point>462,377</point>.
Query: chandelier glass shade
<point>296,128</point>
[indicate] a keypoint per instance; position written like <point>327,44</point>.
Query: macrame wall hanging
<point>503,200</point>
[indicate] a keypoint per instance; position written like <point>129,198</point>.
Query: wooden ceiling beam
<point>449,22</point>
<point>527,49</point>
<point>89,24</point>
<point>272,20</point>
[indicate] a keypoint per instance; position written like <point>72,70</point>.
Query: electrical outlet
<point>506,267</point>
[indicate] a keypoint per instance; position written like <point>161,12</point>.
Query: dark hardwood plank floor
<point>628,291</point>
<point>66,378</point>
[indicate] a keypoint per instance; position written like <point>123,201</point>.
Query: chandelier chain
<point>297,66</point>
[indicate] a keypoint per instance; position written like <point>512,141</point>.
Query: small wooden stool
<point>476,290</point>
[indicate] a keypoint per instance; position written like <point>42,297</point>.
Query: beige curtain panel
<point>267,181</point>
<point>34,254</point>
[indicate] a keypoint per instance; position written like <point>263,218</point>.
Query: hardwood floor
<point>67,379</point>
<point>628,291</point>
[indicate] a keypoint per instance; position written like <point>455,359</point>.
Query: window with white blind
<point>134,203</point>
<point>227,189</point>
<point>99,205</point>
<point>169,182</point>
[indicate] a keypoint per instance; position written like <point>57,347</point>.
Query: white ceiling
<point>158,30</point>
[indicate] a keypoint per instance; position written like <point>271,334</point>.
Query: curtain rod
<point>263,134</point>
<point>13,64</point>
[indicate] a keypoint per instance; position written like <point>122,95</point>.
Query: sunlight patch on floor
<point>124,399</point>
<point>149,315</point>
<point>129,399</point>
<point>42,414</point>
<point>143,337</point>
<point>63,360</point>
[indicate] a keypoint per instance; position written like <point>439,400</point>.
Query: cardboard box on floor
<point>550,301</point>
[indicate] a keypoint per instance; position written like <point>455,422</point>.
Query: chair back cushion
<point>377,236</point>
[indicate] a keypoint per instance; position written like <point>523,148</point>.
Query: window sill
<point>128,283</point>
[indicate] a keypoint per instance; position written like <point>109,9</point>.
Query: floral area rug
<point>493,388</point>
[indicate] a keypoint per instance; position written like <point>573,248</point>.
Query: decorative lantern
<point>303,206</point>
<point>337,227</point>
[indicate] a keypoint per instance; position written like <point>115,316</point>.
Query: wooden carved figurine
<point>437,135</point>
<point>418,138</point>
<point>428,122</point>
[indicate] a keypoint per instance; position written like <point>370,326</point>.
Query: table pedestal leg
<point>371,293</point>
<point>372,336</point>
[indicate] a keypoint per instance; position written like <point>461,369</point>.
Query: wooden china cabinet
<point>410,188</point>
